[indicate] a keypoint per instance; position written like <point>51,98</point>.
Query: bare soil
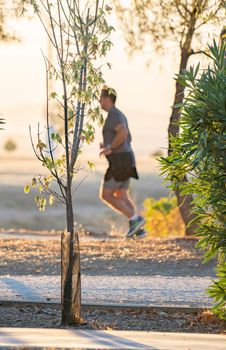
<point>153,320</point>
<point>113,256</point>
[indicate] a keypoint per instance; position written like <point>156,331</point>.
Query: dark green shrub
<point>199,151</point>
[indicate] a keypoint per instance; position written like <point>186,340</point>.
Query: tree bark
<point>70,263</point>
<point>70,272</point>
<point>184,202</point>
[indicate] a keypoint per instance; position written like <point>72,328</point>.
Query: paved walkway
<point>90,339</point>
<point>141,290</point>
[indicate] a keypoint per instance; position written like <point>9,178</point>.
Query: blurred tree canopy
<point>159,23</point>
<point>183,25</point>
<point>10,145</point>
<point>8,10</point>
<point>1,122</point>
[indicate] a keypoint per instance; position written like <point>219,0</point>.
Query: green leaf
<point>53,95</point>
<point>34,182</point>
<point>91,165</point>
<point>41,145</point>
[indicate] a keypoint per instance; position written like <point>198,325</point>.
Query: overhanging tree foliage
<point>182,24</point>
<point>79,33</point>
<point>199,150</point>
<point>1,122</point>
<point>8,10</point>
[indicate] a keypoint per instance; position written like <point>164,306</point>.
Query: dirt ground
<point>152,320</point>
<point>114,256</point>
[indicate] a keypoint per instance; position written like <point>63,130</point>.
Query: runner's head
<point>107,98</point>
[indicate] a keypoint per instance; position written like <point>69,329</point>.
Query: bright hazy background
<point>144,93</point>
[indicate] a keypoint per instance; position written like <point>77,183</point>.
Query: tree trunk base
<point>185,207</point>
<point>70,280</point>
<point>73,322</point>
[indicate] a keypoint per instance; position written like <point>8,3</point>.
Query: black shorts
<point>121,167</point>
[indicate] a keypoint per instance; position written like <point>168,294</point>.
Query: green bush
<point>199,151</point>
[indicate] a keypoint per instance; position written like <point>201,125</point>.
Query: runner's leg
<point>124,195</point>
<point>136,222</point>
<point>107,195</point>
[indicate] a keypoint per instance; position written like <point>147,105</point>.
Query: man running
<point>116,147</point>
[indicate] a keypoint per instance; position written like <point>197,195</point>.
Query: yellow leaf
<point>27,189</point>
<point>51,200</point>
<point>40,188</point>
<point>91,165</point>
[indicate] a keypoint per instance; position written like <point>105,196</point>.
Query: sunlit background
<point>145,88</point>
<point>144,93</point>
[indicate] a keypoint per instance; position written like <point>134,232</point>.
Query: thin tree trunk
<point>70,271</point>
<point>70,274</point>
<point>184,202</point>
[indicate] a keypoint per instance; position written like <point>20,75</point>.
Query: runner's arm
<point>120,137</point>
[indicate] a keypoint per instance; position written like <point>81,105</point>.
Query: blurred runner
<point>116,147</point>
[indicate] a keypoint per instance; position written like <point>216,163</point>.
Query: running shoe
<point>135,226</point>
<point>140,234</point>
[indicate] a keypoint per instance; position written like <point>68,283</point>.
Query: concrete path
<point>91,339</point>
<point>139,290</point>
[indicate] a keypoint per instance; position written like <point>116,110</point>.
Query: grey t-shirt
<point>115,117</point>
